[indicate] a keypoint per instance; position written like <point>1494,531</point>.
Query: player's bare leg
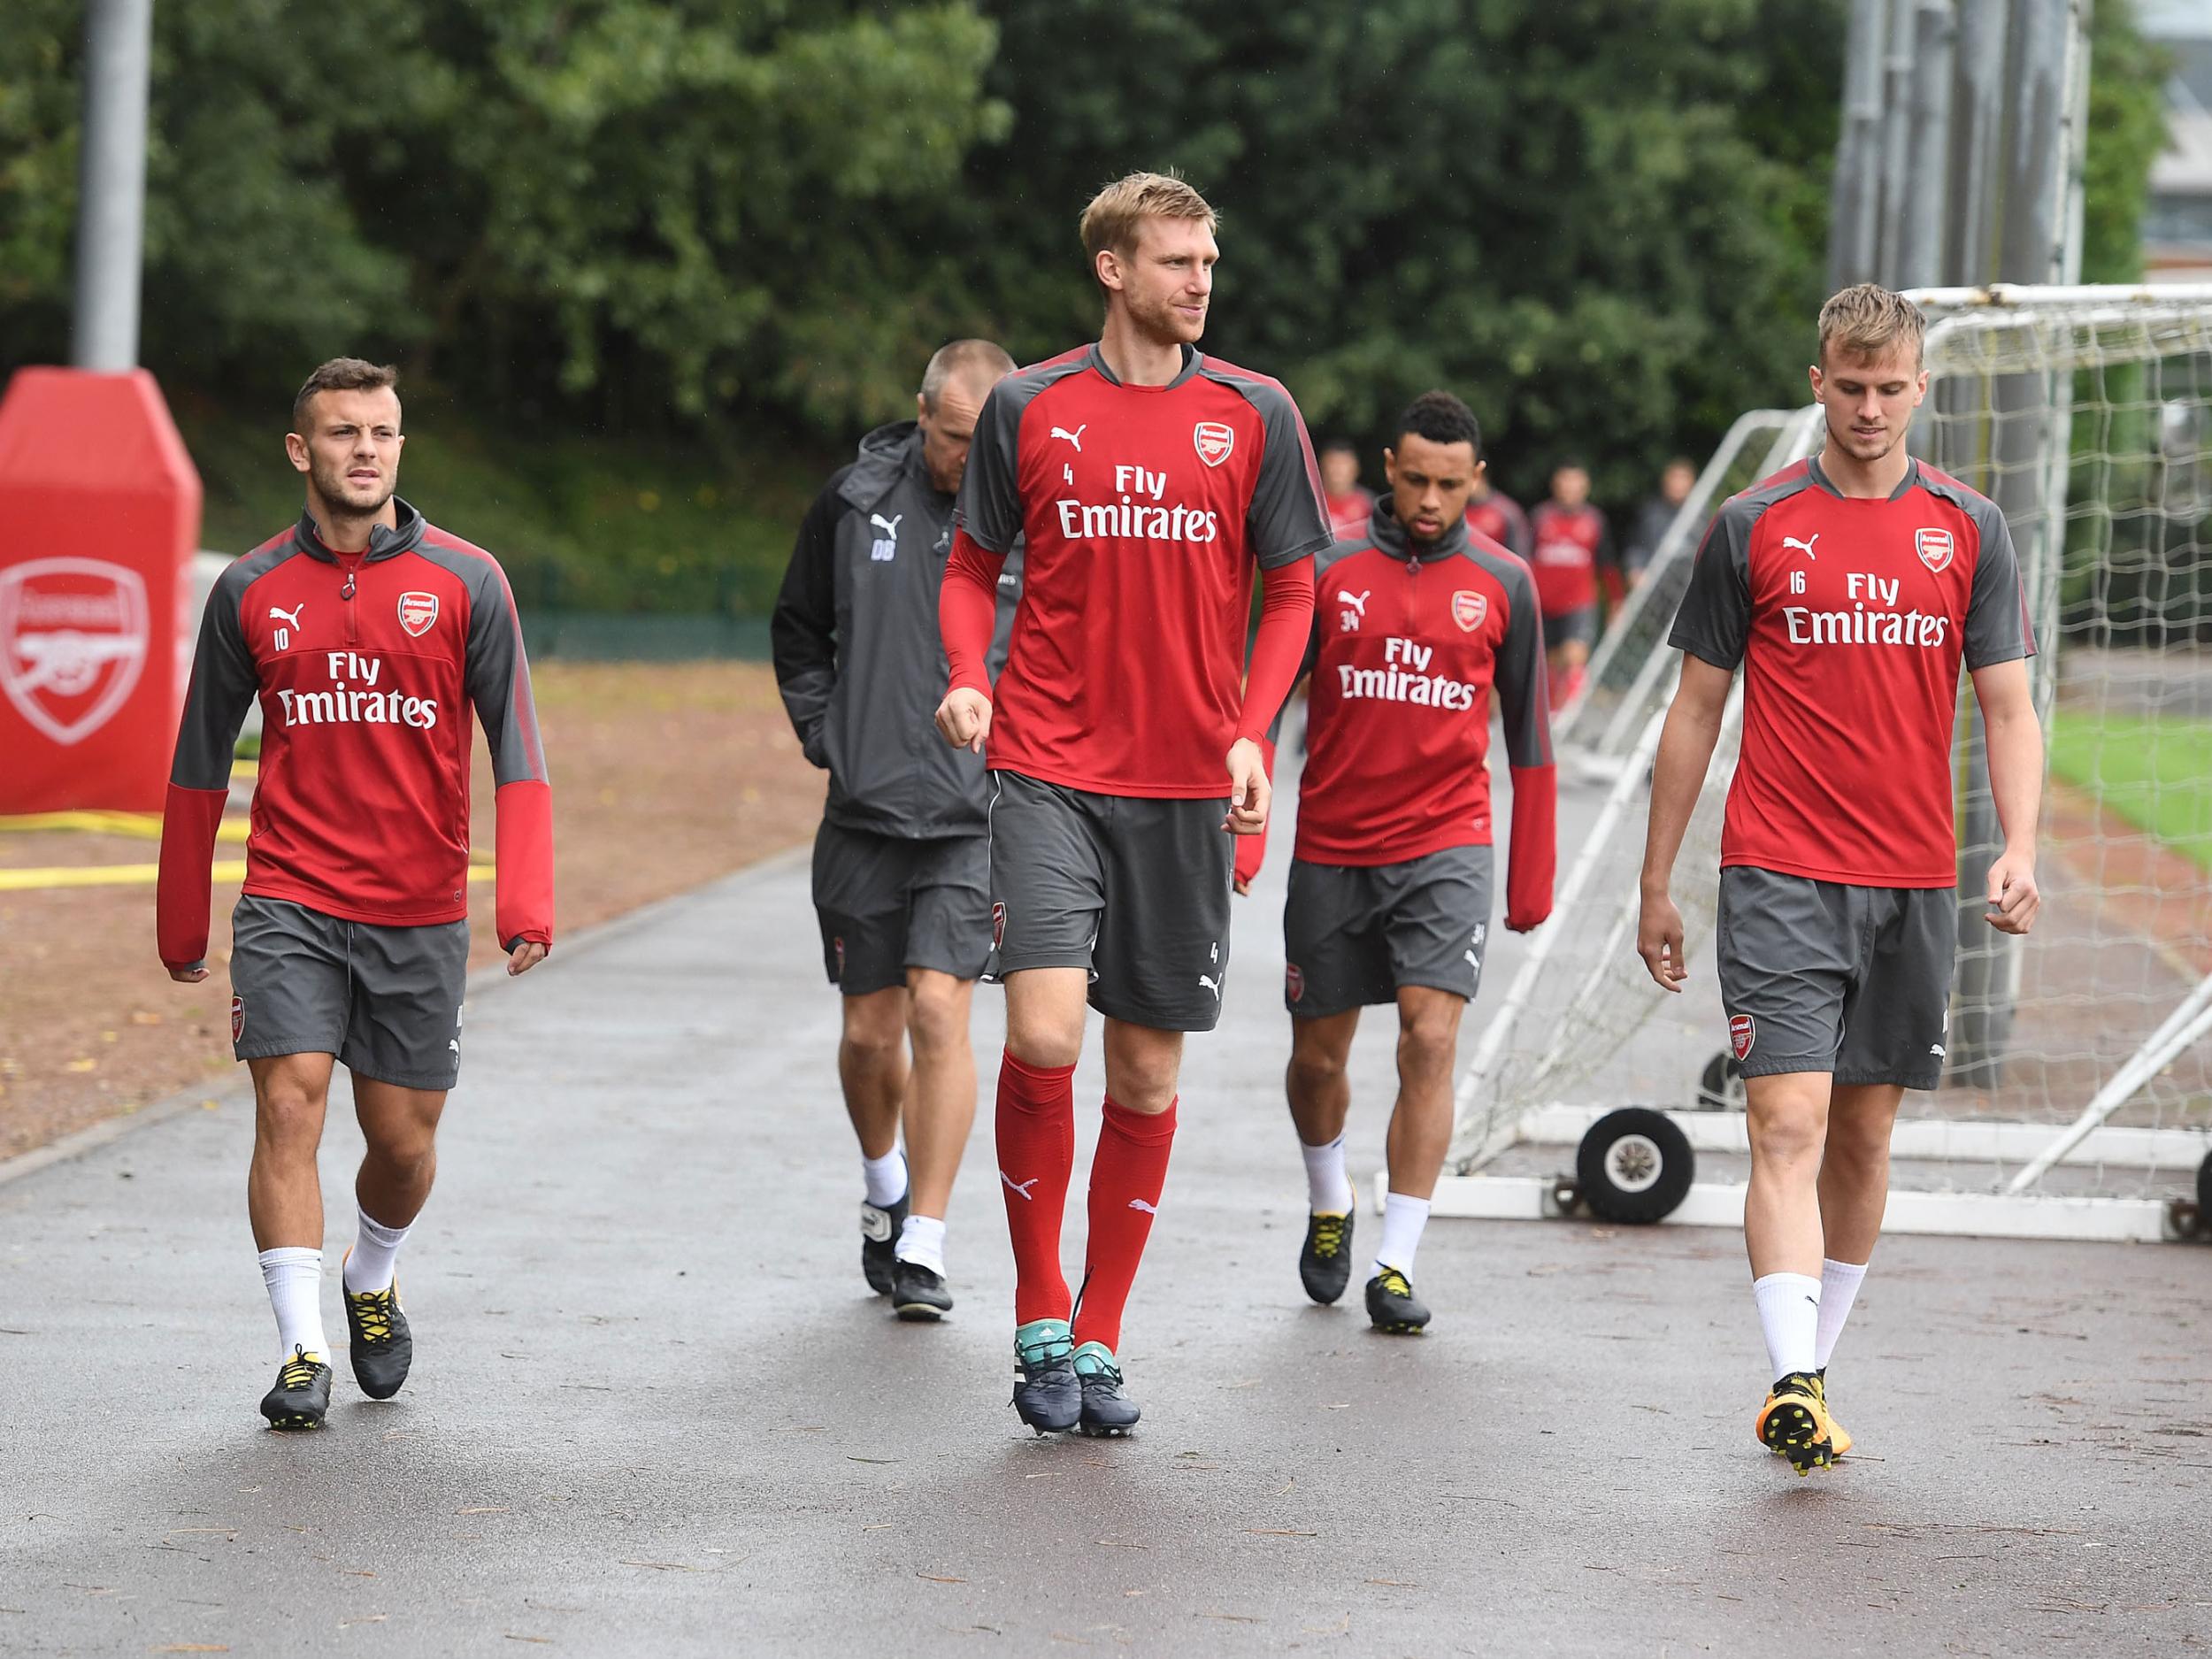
<point>939,1111</point>
<point>284,1201</point>
<point>1319,1085</point>
<point>1788,1117</point>
<point>1420,1133</point>
<point>1854,1193</point>
<point>1035,1132</point>
<point>871,1068</point>
<point>399,1125</point>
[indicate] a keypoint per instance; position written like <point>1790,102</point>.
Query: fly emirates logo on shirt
<point>1404,677</point>
<point>1872,619</point>
<point>1141,515</point>
<point>356,698</point>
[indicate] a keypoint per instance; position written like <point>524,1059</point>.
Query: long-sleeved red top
<point>365,665</point>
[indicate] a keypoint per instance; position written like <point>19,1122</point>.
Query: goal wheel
<point>1634,1165</point>
<point>1720,1086</point>
<point>2204,1196</point>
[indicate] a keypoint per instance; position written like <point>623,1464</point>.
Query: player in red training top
<point>1573,547</point>
<point>1850,588</point>
<point>1122,737</point>
<point>1349,501</point>
<point>1417,625</point>
<point>366,633</point>
<point>1492,512</point>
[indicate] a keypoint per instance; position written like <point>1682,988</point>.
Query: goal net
<point>2078,1098</point>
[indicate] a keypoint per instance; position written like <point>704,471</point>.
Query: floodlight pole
<point>1855,204</point>
<point>111,184</point>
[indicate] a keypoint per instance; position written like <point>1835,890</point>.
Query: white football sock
<point>886,1178</point>
<point>294,1275</point>
<point>1838,1289</point>
<point>1404,1219</point>
<point>922,1241</point>
<point>1328,1189</point>
<point>1789,1314</point>
<point>368,1265</point>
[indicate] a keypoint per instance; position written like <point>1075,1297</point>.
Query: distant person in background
<point>901,859</point>
<point>1653,517</point>
<point>1493,513</point>
<point>1349,504</point>
<point>1572,544</point>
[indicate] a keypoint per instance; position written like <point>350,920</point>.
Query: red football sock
<point>1036,1154</point>
<point>1127,1177</point>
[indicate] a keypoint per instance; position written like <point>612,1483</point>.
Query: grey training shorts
<point>385,1000</point>
<point>1353,934</point>
<point>887,904</point>
<point>1817,976</point>
<point>1135,889</point>
<point>1568,626</point>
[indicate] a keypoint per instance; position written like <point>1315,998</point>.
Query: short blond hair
<point>1115,212</point>
<point>1867,321</point>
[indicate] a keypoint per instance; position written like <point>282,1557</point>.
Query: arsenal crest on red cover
<point>1214,439</point>
<point>417,613</point>
<point>1934,547</point>
<point>1742,1033</point>
<point>1469,608</point>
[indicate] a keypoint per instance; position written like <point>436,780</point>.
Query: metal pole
<point>111,184</point>
<point>1925,208</point>
<point>2024,428</point>
<point>1854,203</point>
<point>1896,140</point>
<point>1969,257</point>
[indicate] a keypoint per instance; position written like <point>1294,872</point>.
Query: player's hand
<point>192,975</point>
<point>2014,898</point>
<point>964,717</point>
<point>1659,941</point>
<point>1514,924</point>
<point>1242,887</point>
<point>1250,792</point>
<point>525,956</point>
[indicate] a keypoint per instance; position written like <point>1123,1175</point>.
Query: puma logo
<point>1075,437</point>
<point>1212,985</point>
<point>1804,546</point>
<point>291,616</point>
<point>1139,1204</point>
<point>889,526</point>
<point>1474,962</point>
<point>1021,1187</point>
<point>1358,604</point>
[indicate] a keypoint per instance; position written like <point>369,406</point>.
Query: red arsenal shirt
<point>1851,619</point>
<point>1570,543</point>
<point>1145,510</point>
<point>1498,516</point>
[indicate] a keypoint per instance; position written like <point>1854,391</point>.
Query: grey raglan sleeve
<point>1288,518</point>
<point>1010,593</point>
<point>1519,674</point>
<point>498,679</point>
<point>802,630</point>
<point>224,684</point>
<point>989,508</point>
<point>1714,620</point>
<point>1997,627</point>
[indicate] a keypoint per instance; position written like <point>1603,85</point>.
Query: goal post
<point>2079,1101</point>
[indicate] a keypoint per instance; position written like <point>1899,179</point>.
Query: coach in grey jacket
<point>901,861</point>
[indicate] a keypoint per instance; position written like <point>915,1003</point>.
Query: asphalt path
<point>655,1412</point>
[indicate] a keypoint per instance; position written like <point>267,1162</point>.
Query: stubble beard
<point>337,493</point>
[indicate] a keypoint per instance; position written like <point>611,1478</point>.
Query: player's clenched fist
<point>2014,898</point>
<point>1250,792</point>
<point>964,717</point>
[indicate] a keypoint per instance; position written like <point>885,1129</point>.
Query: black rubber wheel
<point>1634,1166</point>
<point>1720,1086</point>
<point>2204,1197</point>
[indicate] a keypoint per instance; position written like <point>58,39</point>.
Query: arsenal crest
<point>1934,547</point>
<point>1294,982</point>
<point>1214,439</point>
<point>1469,608</point>
<point>417,613</point>
<point>998,923</point>
<point>72,642</point>
<point>237,1019</point>
<point>837,946</point>
<point>1741,1034</point>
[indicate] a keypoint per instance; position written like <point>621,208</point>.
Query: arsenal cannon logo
<point>72,642</point>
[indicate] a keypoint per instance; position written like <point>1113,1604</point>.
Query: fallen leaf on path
<point>480,1509</point>
<point>937,1577</point>
<point>1278,1532</point>
<point>1233,1618</point>
<point>665,1566</point>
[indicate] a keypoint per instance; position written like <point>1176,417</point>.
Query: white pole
<point>111,184</point>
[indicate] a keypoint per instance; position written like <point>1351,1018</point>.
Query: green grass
<point>2156,773</point>
<point>580,524</point>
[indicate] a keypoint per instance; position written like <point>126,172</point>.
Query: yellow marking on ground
<point>141,826</point>
<point>136,875</point>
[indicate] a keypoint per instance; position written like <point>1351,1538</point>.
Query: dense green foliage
<point>716,238</point>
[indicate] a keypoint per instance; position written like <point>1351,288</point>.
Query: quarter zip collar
<point>384,542</point>
<point>1819,475</point>
<point>1192,358</point>
<point>1389,536</point>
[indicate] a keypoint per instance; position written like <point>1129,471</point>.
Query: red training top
<point>1571,544</point>
<point>1850,618</point>
<point>364,664</point>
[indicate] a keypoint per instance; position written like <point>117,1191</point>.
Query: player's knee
<point>1314,1069</point>
<point>1045,1041</point>
<point>874,1029</point>
<point>289,1116</point>
<point>1427,1045</point>
<point>404,1149</point>
<point>1790,1128</point>
<point>937,1017</point>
